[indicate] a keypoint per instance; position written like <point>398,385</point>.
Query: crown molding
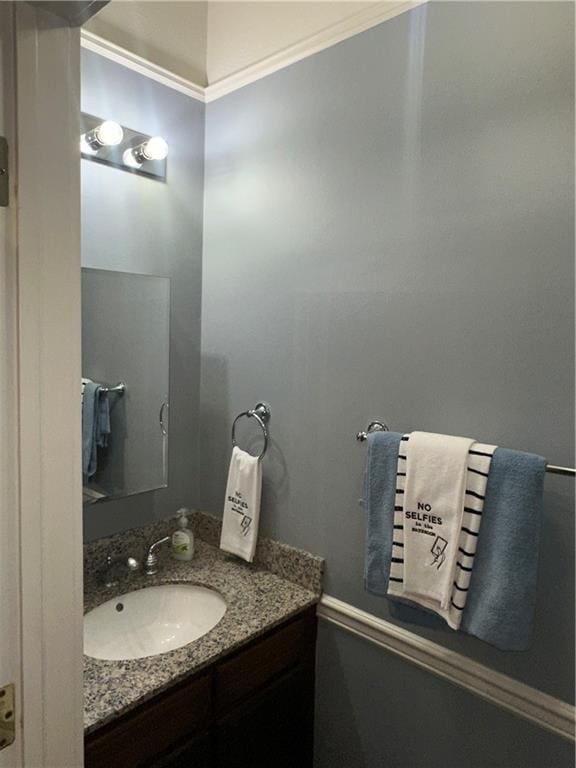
<point>143,66</point>
<point>336,33</point>
<point>503,691</point>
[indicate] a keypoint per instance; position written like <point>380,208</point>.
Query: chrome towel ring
<point>261,412</point>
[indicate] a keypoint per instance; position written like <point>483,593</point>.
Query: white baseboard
<point>503,691</point>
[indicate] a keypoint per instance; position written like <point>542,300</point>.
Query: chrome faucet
<point>152,557</point>
<point>118,568</point>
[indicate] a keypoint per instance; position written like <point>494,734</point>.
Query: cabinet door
<point>154,728</point>
<point>253,668</point>
<point>275,727</point>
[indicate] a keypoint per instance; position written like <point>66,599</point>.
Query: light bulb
<point>152,149</point>
<point>155,148</point>
<point>85,148</point>
<point>131,158</point>
<point>109,133</point>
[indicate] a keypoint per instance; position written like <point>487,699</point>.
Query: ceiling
<point>207,41</point>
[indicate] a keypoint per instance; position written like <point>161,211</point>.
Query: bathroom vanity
<point>251,705</point>
<point>241,696</point>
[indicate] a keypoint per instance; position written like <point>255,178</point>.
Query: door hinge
<point>7,715</point>
<point>4,194</point>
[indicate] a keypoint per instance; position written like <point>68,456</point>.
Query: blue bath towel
<point>95,426</point>
<point>500,605</point>
<point>379,494</point>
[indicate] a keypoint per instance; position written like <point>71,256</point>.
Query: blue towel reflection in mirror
<point>95,425</point>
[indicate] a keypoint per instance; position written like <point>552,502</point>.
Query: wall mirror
<point>125,370</point>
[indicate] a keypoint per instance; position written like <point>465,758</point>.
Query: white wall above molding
<point>335,33</point>
<point>503,691</point>
<point>171,33</point>
<point>114,52</point>
<point>240,33</point>
<point>319,41</point>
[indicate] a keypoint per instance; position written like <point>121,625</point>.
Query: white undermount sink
<point>151,621</point>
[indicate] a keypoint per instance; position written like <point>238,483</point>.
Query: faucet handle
<point>117,567</point>
<point>130,562</point>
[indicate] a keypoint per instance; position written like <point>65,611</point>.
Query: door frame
<point>46,476</point>
<point>10,662</point>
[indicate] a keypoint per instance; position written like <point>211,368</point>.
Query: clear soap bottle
<point>183,538</point>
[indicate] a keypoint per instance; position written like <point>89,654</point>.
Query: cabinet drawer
<point>152,728</point>
<point>267,658</point>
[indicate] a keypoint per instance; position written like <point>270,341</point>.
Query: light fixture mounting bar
<point>116,155</point>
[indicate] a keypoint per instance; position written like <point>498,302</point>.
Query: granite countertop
<point>257,600</point>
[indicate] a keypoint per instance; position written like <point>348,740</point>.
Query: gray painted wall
<point>134,224</point>
<point>421,272</point>
<point>376,711</point>
<point>388,234</point>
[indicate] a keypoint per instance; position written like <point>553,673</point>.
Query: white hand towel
<point>479,462</point>
<point>436,468</point>
<point>242,505</point>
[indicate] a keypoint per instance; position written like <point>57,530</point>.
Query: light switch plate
<point>7,716</point>
<point>3,172</point>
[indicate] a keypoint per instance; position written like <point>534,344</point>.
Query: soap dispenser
<point>183,538</point>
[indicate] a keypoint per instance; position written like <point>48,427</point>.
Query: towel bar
<point>117,389</point>
<point>381,426</point>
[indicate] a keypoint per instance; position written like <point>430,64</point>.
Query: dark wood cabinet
<point>192,753</point>
<point>254,708</point>
<point>153,728</point>
<point>273,728</point>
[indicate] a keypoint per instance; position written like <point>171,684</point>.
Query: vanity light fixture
<point>155,148</point>
<point>108,143</point>
<point>106,134</point>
